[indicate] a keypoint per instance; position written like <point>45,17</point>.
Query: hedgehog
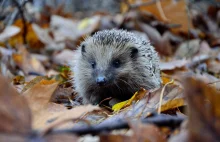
<point>114,63</point>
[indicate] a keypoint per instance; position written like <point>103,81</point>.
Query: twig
<point>213,82</point>
<point>159,120</point>
<point>47,130</point>
<point>21,11</point>
<point>106,99</point>
<point>161,96</point>
<point>162,14</point>
<point>137,5</point>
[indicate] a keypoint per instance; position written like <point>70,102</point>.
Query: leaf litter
<point>38,101</point>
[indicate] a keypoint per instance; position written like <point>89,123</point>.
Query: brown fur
<point>135,71</point>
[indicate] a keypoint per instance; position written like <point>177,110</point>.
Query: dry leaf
<point>168,7</point>
<point>137,96</point>
<point>116,138</point>
<point>175,103</point>
<point>46,113</point>
<point>147,132</point>
<point>8,32</point>
<point>173,64</point>
<point>26,62</point>
<point>64,57</point>
<point>14,111</point>
<point>204,111</point>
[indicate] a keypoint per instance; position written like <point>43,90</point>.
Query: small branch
<point>162,14</point>
<point>159,120</point>
<point>21,12</point>
<point>137,5</point>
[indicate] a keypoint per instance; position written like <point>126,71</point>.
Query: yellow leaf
<point>165,80</point>
<point>119,106</point>
<point>137,96</point>
<point>32,83</point>
<point>173,104</point>
<point>83,24</point>
<point>47,82</point>
<point>18,59</point>
<point>18,79</point>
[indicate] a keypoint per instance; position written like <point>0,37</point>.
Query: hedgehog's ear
<point>83,48</point>
<point>134,52</point>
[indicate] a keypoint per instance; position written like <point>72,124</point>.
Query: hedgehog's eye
<point>93,64</point>
<point>134,52</point>
<point>83,48</point>
<point>116,63</point>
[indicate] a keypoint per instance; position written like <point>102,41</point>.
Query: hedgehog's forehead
<point>111,40</point>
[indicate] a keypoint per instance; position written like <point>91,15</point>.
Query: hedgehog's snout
<point>101,80</point>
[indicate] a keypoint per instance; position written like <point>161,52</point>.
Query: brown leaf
<point>147,132</point>
<point>32,39</point>
<point>116,138</point>
<point>12,138</point>
<point>168,7</point>
<point>188,49</point>
<point>46,113</point>
<point>26,62</point>
<point>61,138</point>
<point>14,111</point>
<point>204,111</point>
<point>33,82</point>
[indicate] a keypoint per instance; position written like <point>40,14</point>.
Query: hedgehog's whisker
<point>127,83</point>
<point>119,88</point>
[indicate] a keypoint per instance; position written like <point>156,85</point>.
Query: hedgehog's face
<point>106,65</point>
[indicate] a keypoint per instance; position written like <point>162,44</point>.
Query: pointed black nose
<point>101,80</point>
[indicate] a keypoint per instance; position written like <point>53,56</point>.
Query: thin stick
<point>161,96</point>
<point>21,11</point>
<point>162,14</point>
<point>137,5</point>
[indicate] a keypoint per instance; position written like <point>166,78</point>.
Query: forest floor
<point>38,101</point>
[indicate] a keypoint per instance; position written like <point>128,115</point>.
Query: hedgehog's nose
<point>101,80</point>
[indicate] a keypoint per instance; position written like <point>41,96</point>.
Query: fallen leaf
<point>26,62</point>
<point>175,103</point>
<point>73,29</point>
<point>8,32</point>
<point>44,36</point>
<point>64,57</point>
<point>116,138</point>
<point>173,64</point>
<point>33,82</point>
<point>18,80</point>
<point>147,132</point>
<point>45,113</point>
<point>168,7</point>
<point>137,96</point>
<point>204,111</point>
<point>32,39</point>
<point>14,111</point>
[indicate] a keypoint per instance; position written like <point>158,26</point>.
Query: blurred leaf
<point>8,32</point>
<point>32,38</point>
<point>174,11</point>
<point>147,132</point>
<point>173,64</point>
<point>14,111</point>
<point>46,113</point>
<point>26,62</point>
<point>204,111</point>
<point>33,82</point>
<point>18,80</point>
